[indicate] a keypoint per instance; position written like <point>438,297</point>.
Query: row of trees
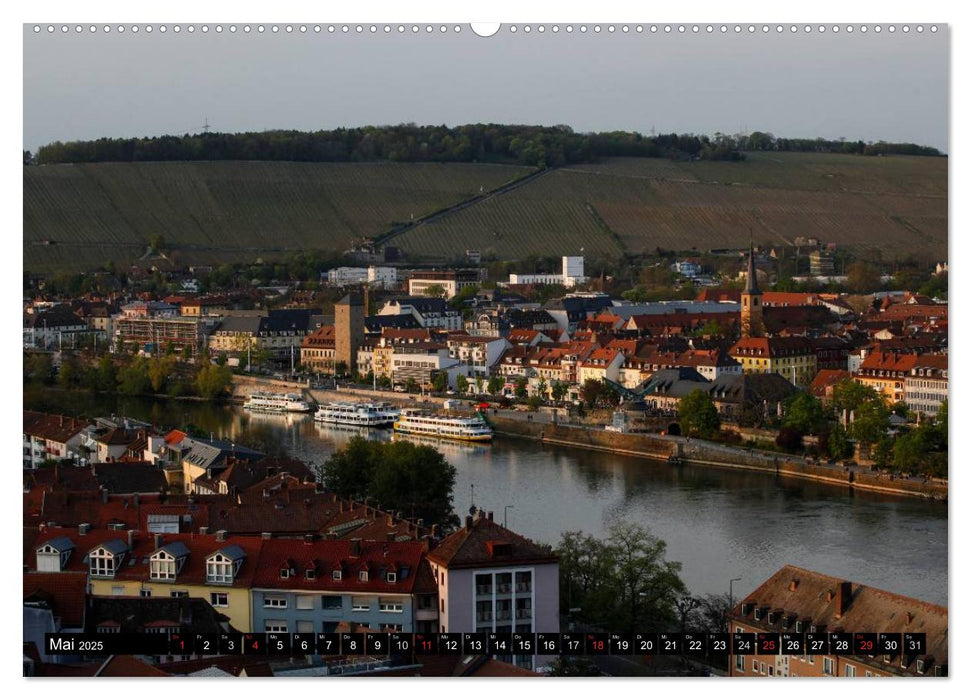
<point>540,146</point>
<point>139,376</point>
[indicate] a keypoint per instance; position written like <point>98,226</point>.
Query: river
<point>718,523</point>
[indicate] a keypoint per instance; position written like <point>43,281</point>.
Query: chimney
<point>794,584</point>
<point>434,532</point>
<point>390,519</point>
<point>83,528</point>
<point>843,594</point>
<point>355,547</point>
<point>104,495</point>
<point>489,516</point>
<point>204,530</point>
<point>220,535</point>
<point>468,522</point>
<point>266,535</point>
<point>131,540</point>
<point>158,541</point>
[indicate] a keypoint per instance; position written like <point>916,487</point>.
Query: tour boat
<point>365,415</point>
<point>277,403</point>
<point>415,421</point>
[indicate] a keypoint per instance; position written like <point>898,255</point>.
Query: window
<point>331,602</point>
<point>762,669</point>
<point>284,573</point>
<point>392,577</point>
<point>850,671</point>
<point>220,569</point>
<point>145,593</point>
<point>102,563</point>
<point>869,675</point>
<point>337,574</point>
<point>827,666</point>
<point>117,590</point>
<point>360,604</point>
<point>755,666</point>
<point>362,575</point>
<point>443,605</point>
<point>219,600</point>
<point>920,665</point>
<point>390,605</point>
<point>739,662</point>
<point>276,626</point>
<point>274,602</point>
<point>305,626</point>
<point>162,567</point>
<point>311,574</point>
<point>305,602</point>
<point>179,594</point>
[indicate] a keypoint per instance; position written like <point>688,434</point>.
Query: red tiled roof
<point>889,362</point>
<point>64,592</point>
<point>826,378</point>
<point>122,666</point>
<point>470,546</point>
<point>55,428</point>
<point>331,555</point>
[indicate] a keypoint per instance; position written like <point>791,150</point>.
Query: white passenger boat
<point>277,403</point>
<point>414,421</point>
<point>364,415</point>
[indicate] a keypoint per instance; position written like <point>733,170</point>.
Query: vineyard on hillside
<point>228,211</point>
<point>885,207</point>
<point>77,217</point>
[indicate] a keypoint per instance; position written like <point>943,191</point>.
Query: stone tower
<point>348,330</point>
<point>752,326</point>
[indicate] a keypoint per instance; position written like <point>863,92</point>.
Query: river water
<point>718,523</point>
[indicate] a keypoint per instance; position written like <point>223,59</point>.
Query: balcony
<point>483,590</point>
<point>524,613</point>
<point>504,588</point>
<point>483,616</point>
<point>524,588</point>
<point>504,614</point>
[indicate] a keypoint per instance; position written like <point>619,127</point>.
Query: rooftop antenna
<point>205,127</point>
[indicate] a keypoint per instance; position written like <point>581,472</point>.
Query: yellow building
<point>215,568</point>
<point>887,373</point>
<point>792,358</point>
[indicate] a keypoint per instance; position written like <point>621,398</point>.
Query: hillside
<point>229,211</point>
<point>885,207</point>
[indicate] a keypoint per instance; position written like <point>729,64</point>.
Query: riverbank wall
<point>704,453</point>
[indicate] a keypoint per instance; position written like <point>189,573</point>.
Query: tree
<point>574,666</point>
<point>838,443</point>
<point>848,395</point>
<point>789,439</point>
<point>495,384</point>
<point>157,242</point>
<point>39,367</point>
<point>698,415</point>
<point>411,386</point>
<point>558,390</point>
<point>541,388</point>
<point>622,582</point>
<point>534,402</point>
<point>213,381</point>
<point>520,389</point>
<point>804,413</point>
<point>591,391</point>
<point>400,476</point>
<point>435,290</point>
<point>340,368</point>
<point>440,382</point>
<point>133,379</point>
<point>871,421</point>
<point>159,372</point>
<point>863,277</point>
<point>462,384</point>
<point>71,373</point>
<point>107,377</point>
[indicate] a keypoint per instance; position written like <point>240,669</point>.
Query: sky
<point>871,86</point>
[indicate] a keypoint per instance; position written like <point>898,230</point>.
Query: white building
<point>383,277</point>
<point>570,276</point>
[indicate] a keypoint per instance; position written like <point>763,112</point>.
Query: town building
<point>53,437</point>
<point>451,282</point>
<point>791,357</point>
<point>429,312</point>
<point>925,387</point>
<point>318,350</point>
<point>887,373</point>
<point>54,328</point>
<point>800,601</point>
<point>751,299</point>
<point>349,315</point>
<point>571,274</point>
<point>491,579</point>
<point>155,334</point>
<point>378,277</point>
<point>312,585</point>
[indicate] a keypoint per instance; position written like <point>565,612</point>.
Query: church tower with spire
<point>752,326</point>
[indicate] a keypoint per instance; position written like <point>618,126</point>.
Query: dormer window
<point>223,566</point>
<point>798,626</point>
<point>758,613</point>
<point>310,574</point>
<point>391,577</point>
<point>337,574</point>
<point>362,575</point>
<point>284,573</point>
<point>163,566</point>
<point>102,563</point>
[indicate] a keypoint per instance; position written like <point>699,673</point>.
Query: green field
<point>236,211</point>
<point>884,207</point>
<point>228,211</point>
